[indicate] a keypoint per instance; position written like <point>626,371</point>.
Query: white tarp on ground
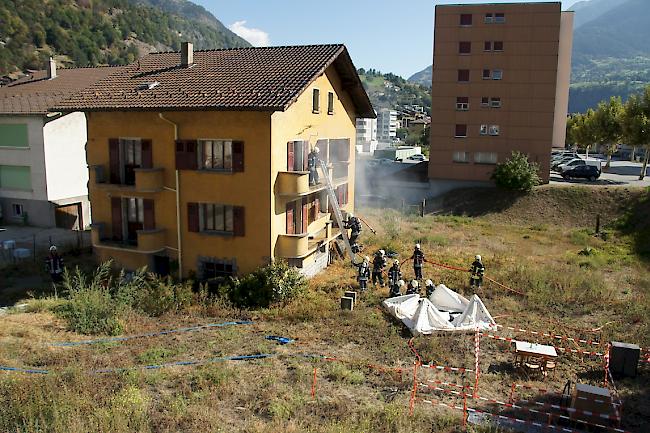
<point>422,316</point>
<point>448,300</point>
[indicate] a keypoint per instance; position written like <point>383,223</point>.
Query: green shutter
<point>13,135</point>
<point>15,177</point>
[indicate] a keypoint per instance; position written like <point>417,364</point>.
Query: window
<point>486,74</point>
<point>500,18</point>
<point>462,103</point>
<point>460,157</point>
<point>463,75</point>
<point>342,194</point>
<point>215,154</point>
<point>13,135</point>
<point>489,18</point>
<point>316,101</point>
<point>132,158</point>
<point>485,101</point>
<point>330,103</point>
<point>497,74</point>
<point>134,209</point>
<point>15,177</point>
<point>495,102</point>
<point>216,218</point>
<point>210,268</point>
<point>464,47</point>
<point>487,46</point>
<point>494,130</point>
<point>297,152</point>
<point>17,210</point>
<point>483,130</point>
<point>498,45</point>
<point>465,19</point>
<point>485,158</point>
<point>297,213</point>
<point>461,130</point>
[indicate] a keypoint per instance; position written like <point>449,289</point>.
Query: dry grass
<point>564,288</point>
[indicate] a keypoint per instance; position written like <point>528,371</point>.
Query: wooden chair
<point>533,364</point>
<point>549,365</point>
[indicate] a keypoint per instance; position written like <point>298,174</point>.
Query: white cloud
<point>257,37</point>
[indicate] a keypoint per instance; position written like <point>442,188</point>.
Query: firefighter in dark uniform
<point>418,261</point>
<point>312,164</point>
<point>394,277</point>
<point>477,270</point>
<point>364,274</point>
<point>354,224</point>
<point>378,266</point>
<point>54,265</point>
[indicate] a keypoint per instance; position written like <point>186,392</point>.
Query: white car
<point>570,164</point>
<point>417,157</point>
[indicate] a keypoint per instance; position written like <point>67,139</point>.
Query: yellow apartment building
<point>198,160</point>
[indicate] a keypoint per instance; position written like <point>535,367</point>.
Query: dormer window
<point>148,86</point>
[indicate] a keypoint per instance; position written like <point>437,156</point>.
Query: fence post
<point>464,409</point>
<point>423,206</point>
<point>415,387</point>
<point>477,342</point>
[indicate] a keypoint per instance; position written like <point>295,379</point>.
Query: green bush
<point>517,173</point>
<point>272,284</point>
<point>90,308</point>
<point>151,294</point>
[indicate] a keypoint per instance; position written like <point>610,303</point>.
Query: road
<point>623,173</point>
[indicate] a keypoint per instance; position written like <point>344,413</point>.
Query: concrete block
<point>347,303</point>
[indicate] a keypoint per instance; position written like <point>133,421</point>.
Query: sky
<point>390,36</point>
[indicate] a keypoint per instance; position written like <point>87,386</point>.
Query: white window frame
<point>499,20</point>
<point>483,130</point>
<point>485,104</point>
<point>315,109</point>
<point>489,18</point>
<point>213,143</point>
<point>488,76</point>
<point>330,107</point>
<point>494,130</point>
<point>485,157</point>
<point>17,210</point>
<point>497,74</point>
<point>464,159</point>
<point>462,106</point>
<point>495,103</point>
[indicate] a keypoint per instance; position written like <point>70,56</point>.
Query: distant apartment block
<point>387,125</point>
<point>43,170</point>
<point>500,84</point>
<point>366,135</point>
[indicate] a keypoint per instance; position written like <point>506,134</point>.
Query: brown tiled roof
<point>35,94</point>
<point>266,79</point>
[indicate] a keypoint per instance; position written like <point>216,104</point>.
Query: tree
<point>581,129</point>
<point>517,173</point>
<point>636,124</point>
<point>607,125</point>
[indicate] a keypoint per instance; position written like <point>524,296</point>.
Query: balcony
<point>292,246</point>
<point>149,179</point>
<point>147,242</point>
<point>292,183</point>
<point>142,179</point>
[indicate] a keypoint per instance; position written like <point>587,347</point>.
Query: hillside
<point>611,55</point>
<point>98,32</point>
<point>391,91</point>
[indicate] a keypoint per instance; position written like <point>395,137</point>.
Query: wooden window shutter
<point>186,155</point>
<point>114,160</point>
<point>149,216</point>
<point>147,154</point>
<point>305,215</point>
<point>116,217</point>
<point>193,217</point>
<point>316,208</point>
<point>180,155</point>
<point>239,220</point>
<point>291,158</point>
<point>238,156</point>
<point>305,156</point>
<point>291,229</point>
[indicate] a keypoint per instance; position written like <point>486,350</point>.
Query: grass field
<point>573,281</point>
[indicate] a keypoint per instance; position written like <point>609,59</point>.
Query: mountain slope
<point>423,78</point>
<point>95,32</point>
<point>588,10</point>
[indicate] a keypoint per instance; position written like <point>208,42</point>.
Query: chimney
<point>51,69</point>
<point>187,54</point>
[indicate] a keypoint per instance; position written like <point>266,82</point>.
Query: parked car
<point>582,171</point>
<point>416,157</point>
<point>570,164</point>
<point>555,166</point>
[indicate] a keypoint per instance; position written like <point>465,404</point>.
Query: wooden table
<point>524,351</point>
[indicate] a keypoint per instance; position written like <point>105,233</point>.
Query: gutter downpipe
<point>178,203</point>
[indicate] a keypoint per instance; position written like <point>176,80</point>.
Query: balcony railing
<point>291,183</point>
<point>146,179</point>
<point>292,246</point>
<point>148,241</point>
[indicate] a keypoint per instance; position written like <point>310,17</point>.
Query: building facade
<point>500,84</point>
<point>387,125</point>
<point>366,135</point>
<point>201,168</point>
<point>43,170</point>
